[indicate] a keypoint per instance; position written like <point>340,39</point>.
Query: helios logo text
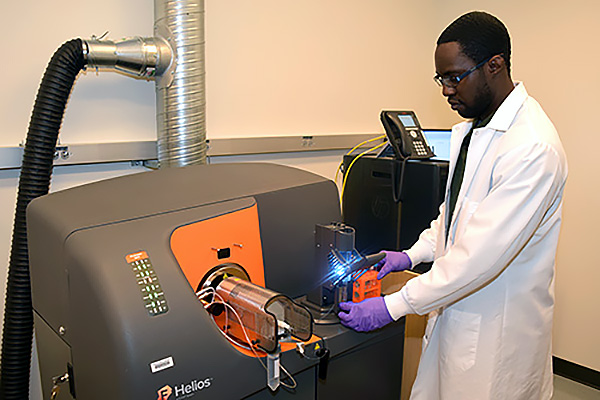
<point>183,390</point>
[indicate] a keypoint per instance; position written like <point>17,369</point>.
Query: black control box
<point>385,216</point>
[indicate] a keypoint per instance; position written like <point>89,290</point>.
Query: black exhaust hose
<point>34,181</point>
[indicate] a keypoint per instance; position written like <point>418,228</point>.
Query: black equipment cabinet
<point>371,207</point>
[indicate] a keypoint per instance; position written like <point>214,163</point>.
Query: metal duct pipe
<point>144,57</point>
<point>181,105</point>
<point>174,58</point>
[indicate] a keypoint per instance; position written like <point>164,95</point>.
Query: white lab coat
<point>490,291</point>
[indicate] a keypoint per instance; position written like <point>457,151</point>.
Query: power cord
<point>397,187</point>
<point>322,350</point>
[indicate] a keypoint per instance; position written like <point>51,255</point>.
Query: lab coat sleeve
<point>524,182</point>
<point>424,249</point>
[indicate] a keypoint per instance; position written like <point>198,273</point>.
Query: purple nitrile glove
<point>394,261</point>
<point>368,315</point>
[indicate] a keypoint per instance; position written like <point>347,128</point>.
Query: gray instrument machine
<point>129,277</point>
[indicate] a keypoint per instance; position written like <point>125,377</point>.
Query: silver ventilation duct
<point>181,106</point>
<point>174,58</point>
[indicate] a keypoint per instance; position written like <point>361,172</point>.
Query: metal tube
<point>143,57</point>
<point>181,102</point>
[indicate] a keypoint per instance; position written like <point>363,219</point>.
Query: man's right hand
<point>394,261</point>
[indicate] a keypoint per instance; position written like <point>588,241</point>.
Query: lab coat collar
<point>500,122</point>
<point>482,137</point>
<point>506,113</point>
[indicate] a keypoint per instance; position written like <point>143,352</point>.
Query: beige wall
<point>283,67</point>
<point>287,67</point>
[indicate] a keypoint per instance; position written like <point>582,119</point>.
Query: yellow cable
<point>352,163</point>
<point>365,142</point>
<point>354,148</point>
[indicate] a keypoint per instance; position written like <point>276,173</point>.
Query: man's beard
<point>481,103</point>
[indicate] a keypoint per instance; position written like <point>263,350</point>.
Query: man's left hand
<point>368,315</point>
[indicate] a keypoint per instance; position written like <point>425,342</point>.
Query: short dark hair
<point>480,35</point>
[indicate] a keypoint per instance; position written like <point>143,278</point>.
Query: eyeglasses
<point>452,81</point>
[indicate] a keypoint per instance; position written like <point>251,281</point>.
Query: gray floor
<point>565,389</point>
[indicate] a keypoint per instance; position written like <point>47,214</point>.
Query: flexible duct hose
<point>34,181</point>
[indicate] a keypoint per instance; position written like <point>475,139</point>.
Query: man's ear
<point>496,64</point>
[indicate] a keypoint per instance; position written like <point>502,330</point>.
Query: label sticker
<point>163,364</point>
<point>140,255</point>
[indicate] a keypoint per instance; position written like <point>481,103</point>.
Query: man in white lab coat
<point>490,291</point>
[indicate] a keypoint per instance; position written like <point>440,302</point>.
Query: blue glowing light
<point>340,264</point>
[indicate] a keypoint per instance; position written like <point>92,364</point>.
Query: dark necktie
<point>457,178</point>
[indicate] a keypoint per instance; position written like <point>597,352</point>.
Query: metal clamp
<point>57,381</point>
<point>147,58</point>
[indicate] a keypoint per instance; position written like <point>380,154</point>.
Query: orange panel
<point>366,286</point>
<point>196,246</point>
